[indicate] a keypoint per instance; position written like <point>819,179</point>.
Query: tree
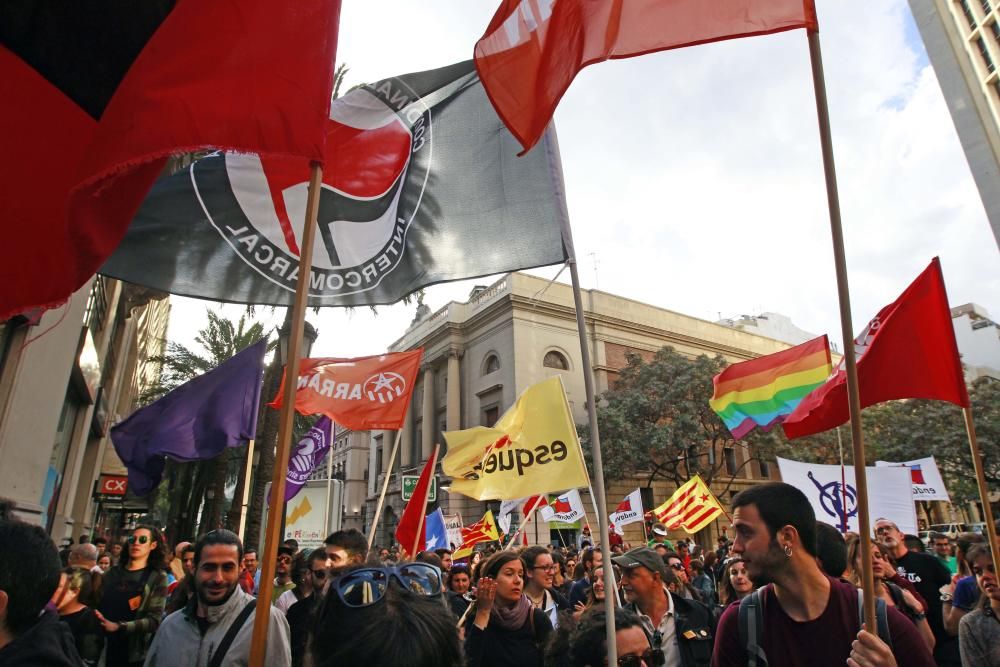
<point>656,423</point>
<point>914,429</point>
<point>201,484</point>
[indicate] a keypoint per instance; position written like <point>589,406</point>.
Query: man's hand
<point>109,626</point>
<point>870,651</point>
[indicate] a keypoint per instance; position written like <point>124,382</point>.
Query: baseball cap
<point>642,556</point>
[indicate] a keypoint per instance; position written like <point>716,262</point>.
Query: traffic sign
<point>410,483</point>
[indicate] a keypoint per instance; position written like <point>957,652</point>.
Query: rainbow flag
<point>763,391</point>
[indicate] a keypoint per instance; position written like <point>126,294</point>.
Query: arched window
<point>491,365</point>
<point>554,359</point>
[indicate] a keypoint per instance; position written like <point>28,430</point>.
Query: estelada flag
<point>532,50</point>
<point>484,530</point>
<point>692,507</point>
<point>533,448</point>
<point>908,350</point>
<point>360,394</point>
<point>96,97</point>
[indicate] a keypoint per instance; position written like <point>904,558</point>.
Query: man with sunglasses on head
<point>680,631</point>
<point>220,617</point>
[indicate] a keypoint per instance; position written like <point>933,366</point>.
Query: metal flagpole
<point>551,145</point>
<point>385,488</point>
<point>984,494</point>
<point>262,615</point>
<point>329,478</point>
<point>846,327</point>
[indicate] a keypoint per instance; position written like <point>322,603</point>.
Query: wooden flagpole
<point>245,500</point>
<point>984,493</point>
<point>385,488</point>
<point>846,326</point>
<point>262,615</point>
<point>423,512</point>
<point>551,146</point>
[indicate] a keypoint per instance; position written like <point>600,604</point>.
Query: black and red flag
<point>97,95</point>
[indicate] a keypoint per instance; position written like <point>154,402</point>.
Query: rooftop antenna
<point>593,256</point>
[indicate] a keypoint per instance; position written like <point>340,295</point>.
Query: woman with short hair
<point>506,630</point>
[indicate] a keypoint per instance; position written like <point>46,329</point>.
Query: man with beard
<point>344,549</point>
<point>220,611</point>
<point>808,618</point>
<point>928,575</point>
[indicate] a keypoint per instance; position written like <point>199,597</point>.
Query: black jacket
<point>48,643</point>
<point>495,647</point>
<point>695,625</point>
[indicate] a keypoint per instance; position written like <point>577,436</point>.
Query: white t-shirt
<point>286,600</point>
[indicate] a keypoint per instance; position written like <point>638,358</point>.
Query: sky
<point>694,177</point>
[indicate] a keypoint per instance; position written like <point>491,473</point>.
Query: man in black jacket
<point>681,629</point>
<point>29,575</point>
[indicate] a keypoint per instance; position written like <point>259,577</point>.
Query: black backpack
<point>751,623</point>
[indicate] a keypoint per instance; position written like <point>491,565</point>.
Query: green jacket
<point>149,614</point>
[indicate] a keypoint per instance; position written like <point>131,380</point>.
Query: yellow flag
<point>532,449</point>
<point>691,508</point>
<point>484,530</point>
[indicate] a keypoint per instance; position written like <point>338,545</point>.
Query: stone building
<point>479,355</point>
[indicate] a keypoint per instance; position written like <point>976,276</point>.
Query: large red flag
<point>362,393</point>
<point>907,351</point>
<point>97,96</point>
<point>410,532</point>
<point>533,49</point>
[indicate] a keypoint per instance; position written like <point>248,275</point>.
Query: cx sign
<point>112,485</point>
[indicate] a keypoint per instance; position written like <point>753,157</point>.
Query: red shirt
<point>246,581</point>
<point>825,640</point>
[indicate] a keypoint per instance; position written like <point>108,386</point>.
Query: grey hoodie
<point>180,642</point>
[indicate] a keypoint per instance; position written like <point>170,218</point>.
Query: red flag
<point>907,351</point>
<point>410,532</point>
<point>533,503</point>
<point>532,49</point>
<point>97,98</point>
<point>362,393</point>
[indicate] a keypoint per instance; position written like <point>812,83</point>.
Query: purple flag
<point>194,422</point>
<point>307,455</point>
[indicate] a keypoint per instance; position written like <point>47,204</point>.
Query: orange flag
<point>361,394</point>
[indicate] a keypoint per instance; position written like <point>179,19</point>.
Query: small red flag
<point>410,532</point>
<point>361,393</point>
<point>533,49</point>
<point>96,98</point>
<point>907,351</point>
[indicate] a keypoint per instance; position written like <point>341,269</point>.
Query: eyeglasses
<point>319,574</point>
<point>646,658</point>
<point>677,566</point>
<point>141,539</point>
<point>548,568</point>
<point>284,559</point>
<point>366,586</point>
<point>884,529</point>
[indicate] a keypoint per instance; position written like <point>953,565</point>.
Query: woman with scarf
<point>506,629</point>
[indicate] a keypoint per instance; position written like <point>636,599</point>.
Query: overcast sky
<point>694,177</point>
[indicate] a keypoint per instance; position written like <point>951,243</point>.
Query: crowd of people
<point>784,591</point>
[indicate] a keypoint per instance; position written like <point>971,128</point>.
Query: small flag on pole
<point>409,532</point>
<point>484,530</point>
<point>435,531</point>
<point>628,511</point>
<point>566,508</point>
<point>307,455</point>
<point>691,508</point>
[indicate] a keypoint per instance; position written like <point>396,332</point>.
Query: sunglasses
<point>677,566</point>
<point>647,658</point>
<point>141,539</point>
<point>366,586</point>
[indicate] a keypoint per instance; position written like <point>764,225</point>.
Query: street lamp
<point>309,336</point>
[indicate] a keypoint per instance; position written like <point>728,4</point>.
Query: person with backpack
<point>803,617</point>
<point>506,629</point>
<point>216,626</point>
<point>893,595</point>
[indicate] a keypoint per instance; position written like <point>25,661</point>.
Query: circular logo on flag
<point>378,162</point>
<point>384,387</point>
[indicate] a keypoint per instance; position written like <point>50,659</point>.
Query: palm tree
<point>201,484</point>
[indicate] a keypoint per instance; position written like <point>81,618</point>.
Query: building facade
<point>66,376</point>
<point>481,354</point>
<point>978,339</point>
<point>962,38</point>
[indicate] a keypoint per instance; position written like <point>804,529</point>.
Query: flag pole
<point>423,513</point>
<point>262,615</point>
<point>984,494</point>
<point>846,326</point>
<point>843,483</point>
<point>329,479</point>
<point>245,500</point>
<point>551,145</point>
<point>385,488</point>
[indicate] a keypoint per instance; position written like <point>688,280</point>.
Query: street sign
<point>410,483</point>
<point>112,485</point>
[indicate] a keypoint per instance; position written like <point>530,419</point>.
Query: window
<point>555,360</point>
<point>987,60</point>
<point>491,365</point>
<point>986,6</point>
<point>765,469</point>
<point>967,10</point>
<point>995,28</point>
<point>730,455</point>
<point>490,415</point>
